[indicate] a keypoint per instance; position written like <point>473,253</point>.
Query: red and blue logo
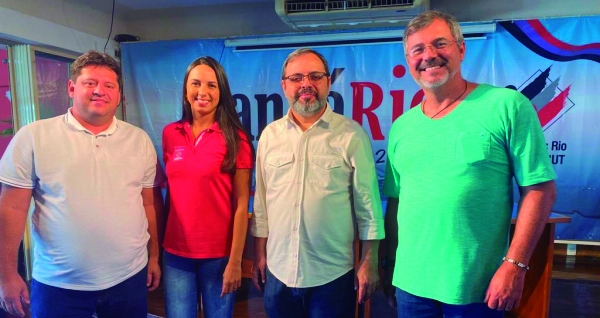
<point>550,101</point>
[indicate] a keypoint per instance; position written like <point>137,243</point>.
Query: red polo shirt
<point>200,222</point>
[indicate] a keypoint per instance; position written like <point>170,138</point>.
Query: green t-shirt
<point>453,178</point>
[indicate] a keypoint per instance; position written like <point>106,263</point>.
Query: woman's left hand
<point>232,278</point>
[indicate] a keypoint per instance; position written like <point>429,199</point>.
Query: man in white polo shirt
<point>94,182</point>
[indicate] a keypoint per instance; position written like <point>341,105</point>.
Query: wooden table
<point>536,294</point>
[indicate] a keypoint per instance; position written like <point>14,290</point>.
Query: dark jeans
<point>411,306</point>
<point>335,299</point>
<point>127,299</point>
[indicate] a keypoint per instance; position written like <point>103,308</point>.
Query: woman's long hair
<point>225,115</point>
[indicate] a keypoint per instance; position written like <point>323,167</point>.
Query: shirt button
<point>296,204</point>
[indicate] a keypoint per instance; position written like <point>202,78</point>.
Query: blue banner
<point>554,62</point>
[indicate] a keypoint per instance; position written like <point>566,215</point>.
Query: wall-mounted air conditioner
<point>306,15</point>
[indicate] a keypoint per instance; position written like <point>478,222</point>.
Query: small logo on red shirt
<point>178,153</point>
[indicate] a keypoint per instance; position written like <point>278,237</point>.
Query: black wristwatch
<point>387,262</point>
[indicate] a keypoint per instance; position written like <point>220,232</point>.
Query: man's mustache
<point>306,90</point>
<point>438,61</point>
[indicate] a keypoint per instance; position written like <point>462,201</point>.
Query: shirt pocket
<point>279,168</point>
<point>473,147</point>
<point>328,171</point>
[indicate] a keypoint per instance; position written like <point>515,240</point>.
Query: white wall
<point>216,21</point>
<point>64,25</point>
<point>485,10</point>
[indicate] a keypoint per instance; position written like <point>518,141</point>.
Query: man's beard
<point>439,82</point>
<point>307,109</point>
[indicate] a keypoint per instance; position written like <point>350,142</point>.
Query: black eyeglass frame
<point>313,77</point>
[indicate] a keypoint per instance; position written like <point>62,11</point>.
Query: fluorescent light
<point>481,27</point>
<point>294,38</point>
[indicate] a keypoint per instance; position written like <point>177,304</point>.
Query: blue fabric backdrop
<point>555,62</point>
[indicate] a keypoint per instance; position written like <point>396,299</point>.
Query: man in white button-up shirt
<point>315,178</point>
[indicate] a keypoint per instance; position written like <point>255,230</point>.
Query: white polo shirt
<point>89,225</point>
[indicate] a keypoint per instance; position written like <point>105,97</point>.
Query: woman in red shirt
<point>208,160</point>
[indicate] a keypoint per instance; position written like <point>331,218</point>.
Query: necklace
<point>452,102</point>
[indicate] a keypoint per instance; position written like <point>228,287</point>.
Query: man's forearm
<point>534,209</point>
<point>11,234</point>
<point>153,245</point>
<point>369,252</point>
<point>14,207</point>
<point>260,247</point>
<point>154,209</point>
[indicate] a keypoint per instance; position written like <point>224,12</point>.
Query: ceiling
<point>138,5</point>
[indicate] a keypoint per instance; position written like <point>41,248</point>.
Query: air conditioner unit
<point>306,15</point>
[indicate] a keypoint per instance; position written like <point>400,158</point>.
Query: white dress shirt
<point>311,188</point>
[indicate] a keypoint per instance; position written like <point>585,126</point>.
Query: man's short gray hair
<point>426,18</point>
<point>303,51</point>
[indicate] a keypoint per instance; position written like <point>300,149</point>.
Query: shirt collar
<point>71,120</point>
<point>214,127</point>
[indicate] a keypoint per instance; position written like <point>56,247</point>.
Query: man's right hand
<point>259,273</point>
<point>14,297</point>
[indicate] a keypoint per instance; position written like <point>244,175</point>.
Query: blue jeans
<point>411,306</point>
<point>335,299</point>
<point>127,299</point>
<point>187,278</point>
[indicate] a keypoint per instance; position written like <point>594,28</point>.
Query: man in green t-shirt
<point>451,162</point>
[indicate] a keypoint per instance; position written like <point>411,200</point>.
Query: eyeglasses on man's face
<point>313,77</point>
<point>439,45</point>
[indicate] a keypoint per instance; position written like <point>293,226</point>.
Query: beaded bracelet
<point>510,260</point>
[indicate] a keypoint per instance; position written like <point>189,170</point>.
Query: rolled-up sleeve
<point>367,200</point>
